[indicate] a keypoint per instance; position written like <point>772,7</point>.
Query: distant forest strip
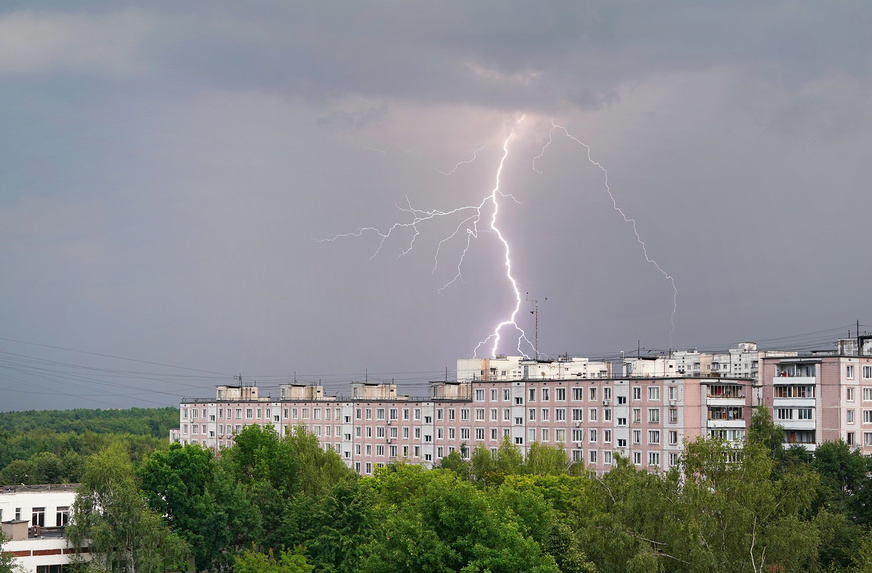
<point>155,422</point>
<point>50,446</point>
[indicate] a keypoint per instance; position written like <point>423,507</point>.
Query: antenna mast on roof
<point>535,312</point>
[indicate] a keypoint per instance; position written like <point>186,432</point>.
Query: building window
<point>545,435</point>
<point>560,414</point>
<point>654,415</point>
<point>849,371</point>
<point>653,436</point>
<point>653,393</point>
<point>532,414</point>
<point>867,438</point>
<point>607,436</point>
<point>464,414</point>
<point>622,421</point>
<point>577,414</point>
<point>607,414</point>
<point>804,413</point>
<point>493,394</point>
<point>849,416</point>
<point>607,393</point>
<point>591,415</point>
<point>593,394</point>
<point>494,436</point>
<point>607,458</point>
<point>637,458</point>
<point>367,412</point>
<point>673,438</point>
<point>592,457</point>
<point>494,415</point>
<point>464,433</point>
<point>560,436</point>
<point>673,415</point>
<point>479,414</point>
<point>637,415</point>
<point>546,414</point>
<point>507,395</point>
<point>849,394</point>
<point>519,400</point>
<point>560,394</point>
<point>379,414</point>
<point>507,414</point>
<point>622,400</point>
<point>531,435</point>
<point>592,436</point>
<point>637,393</point>
<point>653,458</point>
<point>783,414</point>
<point>479,394</point>
<point>532,395</point>
<point>479,433</point>
<point>545,395</point>
<point>577,394</point>
<point>850,439</point>
<point>621,442</point>
<point>637,436</point>
<point>38,516</point>
<point>867,372</point>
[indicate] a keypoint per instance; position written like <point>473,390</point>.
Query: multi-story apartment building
<point>34,519</point>
<point>823,396</point>
<point>572,402</point>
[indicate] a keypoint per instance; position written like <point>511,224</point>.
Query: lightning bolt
<point>466,162</point>
<point>627,219</point>
<point>471,224</point>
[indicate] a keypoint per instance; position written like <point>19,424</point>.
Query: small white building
<point>34,519</point>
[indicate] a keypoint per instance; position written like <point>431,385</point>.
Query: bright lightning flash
<point>627,219</point>
<point>470,223</point>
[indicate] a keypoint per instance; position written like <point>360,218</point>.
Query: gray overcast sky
<point>167,170</point>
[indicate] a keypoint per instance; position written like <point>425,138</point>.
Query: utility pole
<point>535,312</point>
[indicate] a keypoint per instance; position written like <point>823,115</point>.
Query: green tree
<point>287,562</point>
<point>178,484</point>
<point>432,521</point>
<point>763,431</point>
<point>113,520</point>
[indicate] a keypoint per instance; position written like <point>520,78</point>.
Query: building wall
<point>42,550</point>
<point>646,420</point>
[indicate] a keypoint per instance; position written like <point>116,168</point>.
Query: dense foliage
<point>272,504</point>
<point>51,446</point>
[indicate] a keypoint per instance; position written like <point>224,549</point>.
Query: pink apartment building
<point>823,396</point>
<point>575,403</point>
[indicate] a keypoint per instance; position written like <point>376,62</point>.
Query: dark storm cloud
<point>167,169</point>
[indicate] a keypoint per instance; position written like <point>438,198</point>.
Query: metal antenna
<point>535,312</point>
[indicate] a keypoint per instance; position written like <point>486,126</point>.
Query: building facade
<point>575,403</point>
<point>34,519</point>
<point>823,396</point>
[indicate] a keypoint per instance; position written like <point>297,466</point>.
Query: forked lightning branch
<point>467,224</point>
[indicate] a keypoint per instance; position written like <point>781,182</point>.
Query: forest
<point>284,505</point>
<point>51,446</point>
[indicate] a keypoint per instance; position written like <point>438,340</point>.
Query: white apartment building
<point>34,519</point>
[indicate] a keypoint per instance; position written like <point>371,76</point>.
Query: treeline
<point>51,446</point>
<point>155,422</point>
<point>283,504</point>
